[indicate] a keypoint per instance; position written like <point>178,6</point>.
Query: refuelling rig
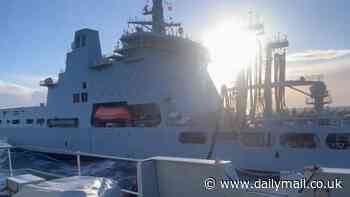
<point>260,88</point>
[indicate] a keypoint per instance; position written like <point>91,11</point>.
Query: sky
<point>36,35</point>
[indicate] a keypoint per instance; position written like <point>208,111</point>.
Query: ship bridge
<point>159,35</point>
<point>172,44</point>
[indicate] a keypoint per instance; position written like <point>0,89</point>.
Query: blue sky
<point>36,34</point>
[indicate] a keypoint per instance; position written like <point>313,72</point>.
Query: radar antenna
<point>157,25</point>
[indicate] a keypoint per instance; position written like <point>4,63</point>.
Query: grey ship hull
<point>143,143</point>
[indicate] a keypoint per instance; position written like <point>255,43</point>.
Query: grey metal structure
<point>154,96</point>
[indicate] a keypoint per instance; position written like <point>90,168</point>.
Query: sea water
<point>121,171</point>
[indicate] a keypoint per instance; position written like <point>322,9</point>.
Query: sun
<point>232,47</point>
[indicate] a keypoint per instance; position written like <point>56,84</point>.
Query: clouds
<point>318,62</point>
<point>12,94</point>
<point>316,55</point>
<point>20,89</point>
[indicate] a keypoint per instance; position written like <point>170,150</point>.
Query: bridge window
<point>339,141</point>
<point>300,140</point>
<point>123,115</point>
<point>63,123</point>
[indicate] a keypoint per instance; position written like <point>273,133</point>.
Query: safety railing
<point>78,155</point>
<point>126,191</point>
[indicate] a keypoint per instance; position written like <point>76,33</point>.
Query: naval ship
<point>154,97</point>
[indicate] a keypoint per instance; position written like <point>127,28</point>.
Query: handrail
<point>130,192</point>
<point>35,171</point>
<point>74,153</point>
<point>7,147</point>
<point>78,155</point>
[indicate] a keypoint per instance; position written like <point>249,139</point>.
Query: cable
<point>214,136</point>
<point>213,142</point>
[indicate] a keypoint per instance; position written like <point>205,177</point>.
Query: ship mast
<point>157,25</point>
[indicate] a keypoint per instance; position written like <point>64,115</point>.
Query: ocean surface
<point>121,171</point>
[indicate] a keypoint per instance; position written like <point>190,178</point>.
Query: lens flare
<point>231,48</point>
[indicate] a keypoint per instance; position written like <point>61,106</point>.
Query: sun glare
<point>231,49</point>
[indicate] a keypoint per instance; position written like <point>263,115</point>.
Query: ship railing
<point>40,173</point>
<point>139,162</point>
<point>79,154</point>
<point>49,176</point>
<point>7,147</point>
